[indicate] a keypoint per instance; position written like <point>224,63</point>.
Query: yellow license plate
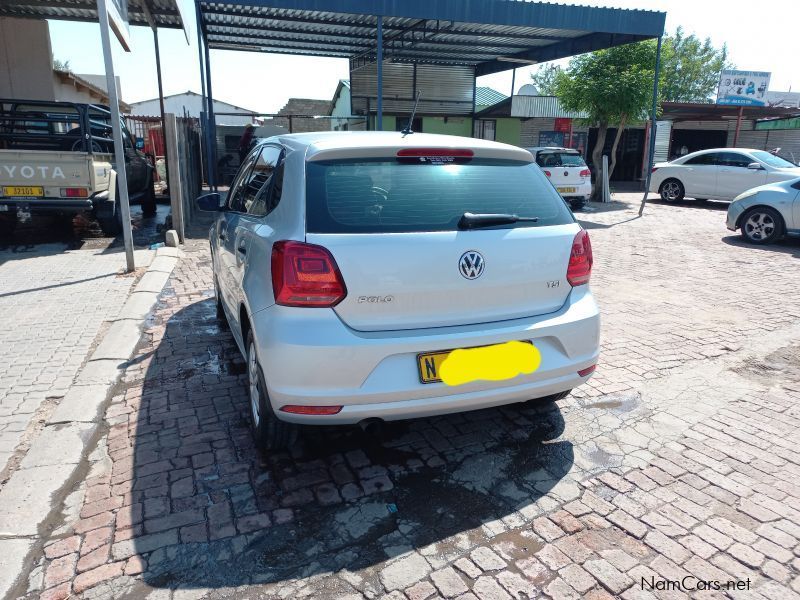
<point>20,191</point>
<point>567,190</point>
<point>478,362</point>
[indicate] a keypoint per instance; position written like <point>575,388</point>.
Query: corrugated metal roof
<point>165,12</point>
<point>486,96</point>
<point>541,106</point>
<point>491,35</point>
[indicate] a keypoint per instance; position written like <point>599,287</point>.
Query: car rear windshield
<point>560,159</point>
<point>377,196</point>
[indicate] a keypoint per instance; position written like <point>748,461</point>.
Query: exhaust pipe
<point>372,426</point>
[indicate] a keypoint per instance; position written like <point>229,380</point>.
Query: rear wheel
<point>672,190</point>
<point>111,224</point>
<point>270,433</point>
<point>149,202</point>
<point>762,225</point>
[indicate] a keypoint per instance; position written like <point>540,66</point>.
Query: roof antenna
<point>408,129</point>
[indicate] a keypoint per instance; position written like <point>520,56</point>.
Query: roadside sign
<point>743,88</point>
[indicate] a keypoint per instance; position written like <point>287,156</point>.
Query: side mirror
<point>755,166</point>
<point>209,202</point>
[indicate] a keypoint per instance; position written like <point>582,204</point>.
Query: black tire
<point>111,224</point>
<point>577,203</point>
<point>218,301</point>
<point>8,223</point>
<point>671,190</point>
<point>269,432</point>
<point>149,206</point>
<point>762,225</point>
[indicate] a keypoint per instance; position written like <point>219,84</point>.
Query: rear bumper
<point>47,205</point>
<point>309,357</point>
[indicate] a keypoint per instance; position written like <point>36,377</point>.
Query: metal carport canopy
<point>491,35</point>
<point>165,12</point>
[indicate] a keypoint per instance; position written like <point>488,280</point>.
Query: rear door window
<point>386,195</point>
<point>560,159</point>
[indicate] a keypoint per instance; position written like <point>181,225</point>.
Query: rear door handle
<point>241,250</point>
<point>222,236</point>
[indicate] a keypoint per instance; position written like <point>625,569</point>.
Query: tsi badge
<point>471,264</point>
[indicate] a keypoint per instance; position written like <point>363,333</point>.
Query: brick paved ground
<point>58,283</point>
<point>678,458</point>
<point>52,302</point>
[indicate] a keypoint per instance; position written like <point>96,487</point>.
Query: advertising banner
<point>743,88</point>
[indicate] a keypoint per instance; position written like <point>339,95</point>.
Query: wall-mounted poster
<point>551,138</point>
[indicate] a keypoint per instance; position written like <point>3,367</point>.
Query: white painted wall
<point>26,67</point>
<point>191,104</point>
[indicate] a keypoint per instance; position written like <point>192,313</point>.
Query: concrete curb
<point>34,490</point>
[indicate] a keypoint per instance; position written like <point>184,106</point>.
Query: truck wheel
<point>149,202</point>
<point>111,224</point>
<point>8,223</point>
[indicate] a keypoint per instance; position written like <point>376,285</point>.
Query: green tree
<point>690,68</point>
<point>61,65</point>
<point>613,87</point>
<point>545,79</point>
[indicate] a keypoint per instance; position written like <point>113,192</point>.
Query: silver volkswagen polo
<point>376,275</point>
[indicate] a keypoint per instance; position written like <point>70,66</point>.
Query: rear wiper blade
<point>474,221</point>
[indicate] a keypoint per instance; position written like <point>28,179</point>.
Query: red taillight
<point>580,260</point>
<point>305,275</point>
<point>311,410</point>
<point>586,173</point>
<point>654,169</point>
<point>74,193</point>
<point>587,370</point>
<point>547,173</point>
<point>417,152</point>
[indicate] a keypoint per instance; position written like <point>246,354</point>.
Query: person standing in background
<point>246,141</point>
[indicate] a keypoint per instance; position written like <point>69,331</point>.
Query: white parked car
<point>351,265</point>
<point>567,172</point>
<point>766,213</point>
<point>721,174</point>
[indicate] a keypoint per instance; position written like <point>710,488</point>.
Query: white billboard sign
<point>743,88</point>
<point>118,19</point>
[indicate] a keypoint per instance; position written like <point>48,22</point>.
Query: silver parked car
<point>767,213</point>
<point>371,275</point>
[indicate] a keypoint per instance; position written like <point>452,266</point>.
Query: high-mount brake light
<point>440,152</point>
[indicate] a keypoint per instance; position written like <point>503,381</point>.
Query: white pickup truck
<point>55,157</point>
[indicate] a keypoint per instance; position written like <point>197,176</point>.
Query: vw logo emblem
<point>471,264</point>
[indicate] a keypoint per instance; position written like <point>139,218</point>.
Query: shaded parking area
<point>677,459</point>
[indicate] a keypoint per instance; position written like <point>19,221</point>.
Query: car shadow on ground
<point>787,245</point>
<point>718,205</point>
<point>217,513</point>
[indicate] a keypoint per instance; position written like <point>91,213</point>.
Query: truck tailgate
<point>46,174</point>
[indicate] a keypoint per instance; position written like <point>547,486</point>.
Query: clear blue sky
<point>768,41</point>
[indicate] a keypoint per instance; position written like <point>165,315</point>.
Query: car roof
<point>327,144</point>
<point>707,150</point>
